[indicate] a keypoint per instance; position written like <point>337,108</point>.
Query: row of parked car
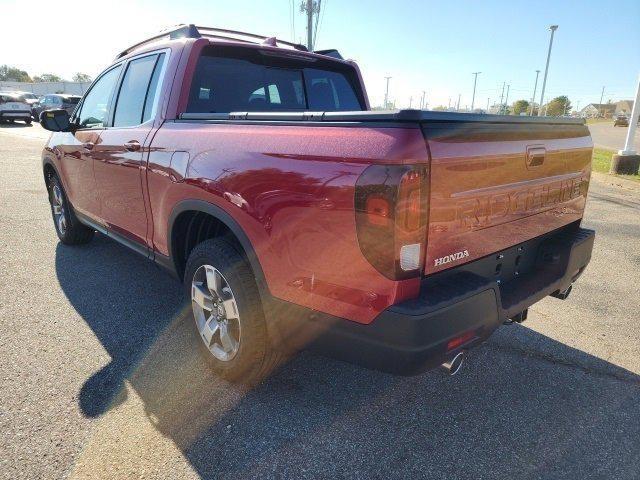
<point>27,106</point>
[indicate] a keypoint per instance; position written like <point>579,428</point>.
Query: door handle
<point>132,146</point>
<point>88,145</point>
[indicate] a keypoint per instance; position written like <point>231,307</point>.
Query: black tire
<point>74,233</point>
<point>255,356</point>
<point>28,122</point>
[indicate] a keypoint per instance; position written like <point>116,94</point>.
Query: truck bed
<point>495,180</point>
<point>400,116</point>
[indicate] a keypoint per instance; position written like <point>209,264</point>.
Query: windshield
<point>248,81</point>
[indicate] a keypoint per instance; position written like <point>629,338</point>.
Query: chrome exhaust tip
<point>453,366</point>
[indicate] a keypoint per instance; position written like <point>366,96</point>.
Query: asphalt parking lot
<point>605,135</point>
<point>98,378</point>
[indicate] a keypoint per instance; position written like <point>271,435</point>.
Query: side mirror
<point>55,120</point>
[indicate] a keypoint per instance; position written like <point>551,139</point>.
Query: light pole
<point>600,104</point>
<point>458,106</point>
<point>627,161</point>
<point>386,94</point>
<point>488,100</point>
<point>633,124</point>
<point>533,97</point>
<point>553,29</point>
<point>473,97</point>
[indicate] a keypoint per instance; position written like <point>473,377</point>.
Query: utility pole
<point>449,106</point>
<point>502,95</point>
<point>473,97</point>
<point>410,101</point>
<point>488,100</point>
<point>458,105</point>
<point>533,97</point>
<point>386,94</point>
<point>423,105</point>
<point>311,8</point>
<point>553,29</point>
<point>600,104</point>
<point>506,102</point>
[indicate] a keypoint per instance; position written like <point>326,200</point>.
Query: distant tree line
<point>555,108</point>
<point>14,74</point>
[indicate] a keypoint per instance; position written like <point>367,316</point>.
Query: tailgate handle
<point>535,156</point>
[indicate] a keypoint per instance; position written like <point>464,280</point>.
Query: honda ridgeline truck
<point>255,172</point>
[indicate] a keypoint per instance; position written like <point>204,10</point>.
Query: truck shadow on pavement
<point>523,406</point>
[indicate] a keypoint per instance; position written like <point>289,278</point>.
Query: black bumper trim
<point>412,336</point>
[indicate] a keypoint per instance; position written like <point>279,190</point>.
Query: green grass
<point>602,163</point>
<point>598,120</point>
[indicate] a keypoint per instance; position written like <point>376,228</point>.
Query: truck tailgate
<point>495,185</point>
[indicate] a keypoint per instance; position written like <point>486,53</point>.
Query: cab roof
<point>226,36</point>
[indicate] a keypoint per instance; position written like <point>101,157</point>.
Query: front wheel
<point>227,312</point>
<point>68,228</point>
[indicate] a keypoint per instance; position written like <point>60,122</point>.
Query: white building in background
<point>44,88</point>
<point>624,107</point>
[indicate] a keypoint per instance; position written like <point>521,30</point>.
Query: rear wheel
<point>28,121</point>
<point>227,312</point>
<point>68,228</point>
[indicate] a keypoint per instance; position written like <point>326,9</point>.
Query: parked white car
<point>12,108</point>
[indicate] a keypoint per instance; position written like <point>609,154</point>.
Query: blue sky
<point>424,45</point>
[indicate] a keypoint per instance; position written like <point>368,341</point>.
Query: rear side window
<point>247,81</point>
<point>137,92</point>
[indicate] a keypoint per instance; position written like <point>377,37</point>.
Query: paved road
<point>605,135</point>
<point>98,379</point>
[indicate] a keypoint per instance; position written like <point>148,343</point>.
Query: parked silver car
<point>12,108</point>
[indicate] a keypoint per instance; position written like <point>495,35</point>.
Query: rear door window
<point>247,81</point>
<point>137,92</point>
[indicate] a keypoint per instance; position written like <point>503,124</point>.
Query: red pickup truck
<point>255,171</point>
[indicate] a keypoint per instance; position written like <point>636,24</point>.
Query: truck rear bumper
<point>457,309</point>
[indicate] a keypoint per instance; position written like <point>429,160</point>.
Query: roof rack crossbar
<point>297,46</point>
<point>191,31</point>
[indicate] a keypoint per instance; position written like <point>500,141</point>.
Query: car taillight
<point>391,218</point>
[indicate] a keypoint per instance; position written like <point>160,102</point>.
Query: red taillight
<point>377,209</point>
<point>460,340</point>
<point>409,208</point>
<point>391,218</point>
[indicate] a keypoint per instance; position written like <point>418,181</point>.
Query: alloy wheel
<point>216,313</point>
<point>57,205</point>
